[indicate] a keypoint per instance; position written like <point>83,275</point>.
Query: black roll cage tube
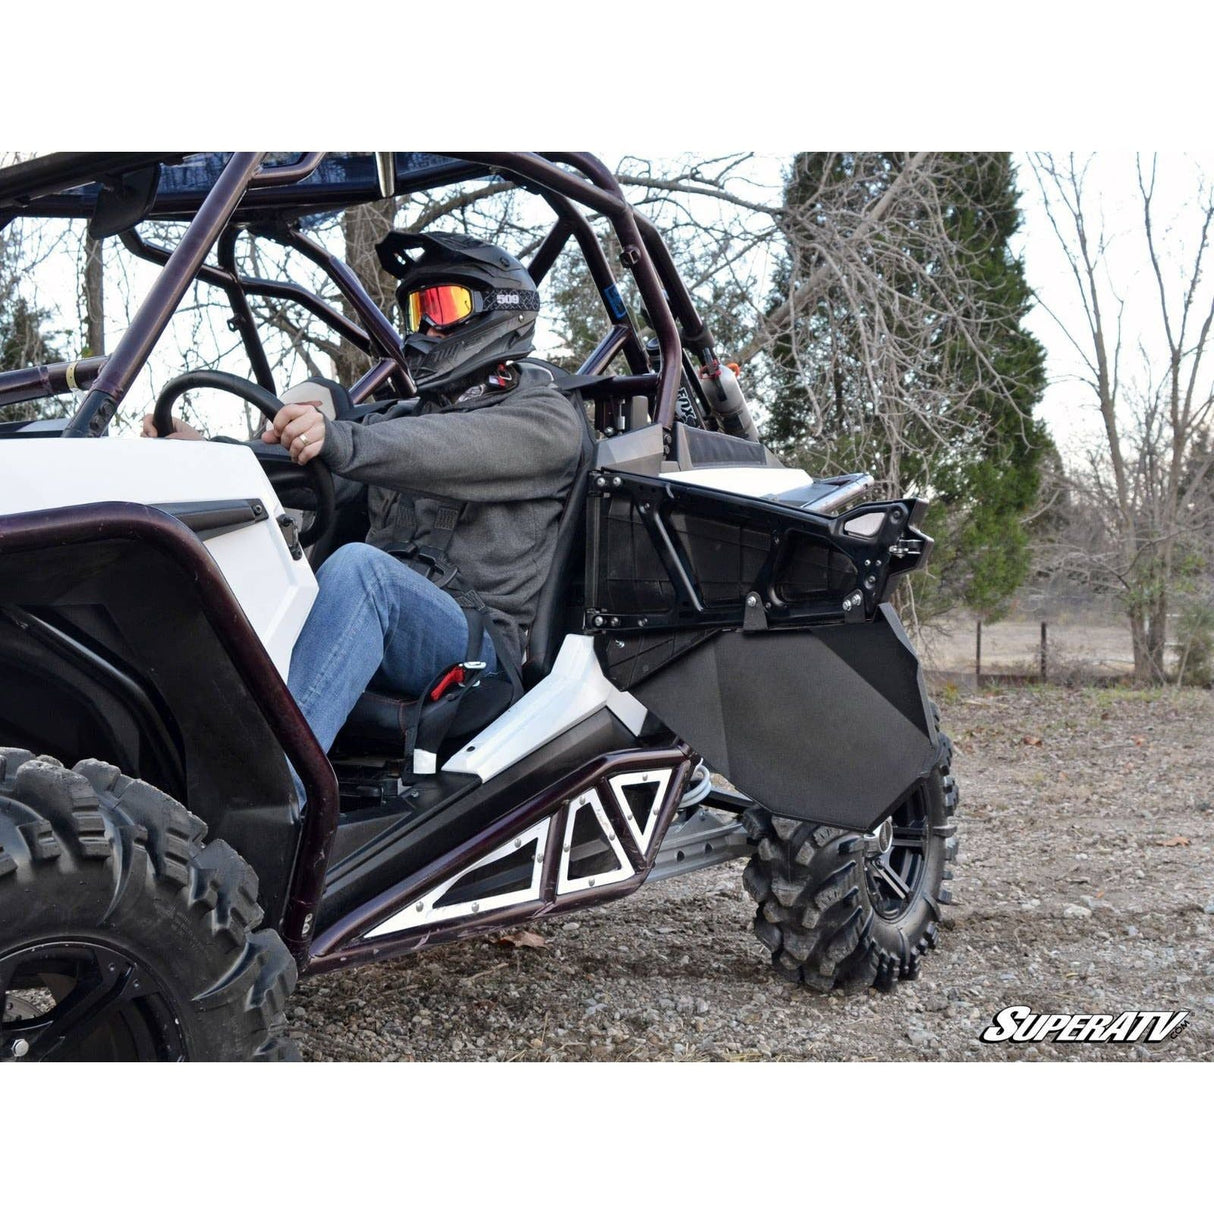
<point>243,321</point>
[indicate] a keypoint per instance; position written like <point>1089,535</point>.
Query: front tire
<point>837,909</point>
<point>123,938</point>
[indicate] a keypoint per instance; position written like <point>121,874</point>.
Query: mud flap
<point>826,724</point>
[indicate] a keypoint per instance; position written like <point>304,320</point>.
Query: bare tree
<point>870,313</point>
<point>890,340</point>
<point>1148,483</point>
<point>92,292</point>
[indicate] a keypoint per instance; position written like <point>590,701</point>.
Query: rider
<point>476,469</point>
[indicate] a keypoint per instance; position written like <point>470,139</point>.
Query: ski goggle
<point>439,306</point>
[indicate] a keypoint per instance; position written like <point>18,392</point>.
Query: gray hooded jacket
<point>512,462</point>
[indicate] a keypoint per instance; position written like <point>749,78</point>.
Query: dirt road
<point>1085,883</point>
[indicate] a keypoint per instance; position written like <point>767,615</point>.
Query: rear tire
<point>832,911</point>
<point>122,937</point>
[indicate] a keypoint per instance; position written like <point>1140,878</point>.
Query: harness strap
<point>432,716</point>
<point>445,522</point>
<point>431,563</point>
<point>430,721</point>
<point>476,632</point>
<point>505,659</point>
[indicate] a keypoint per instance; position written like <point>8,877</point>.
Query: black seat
<point>379,720</point>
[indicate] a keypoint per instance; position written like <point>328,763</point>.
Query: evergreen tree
<point>25,343</point>
<point>921,373</point>
<point>575,316</point>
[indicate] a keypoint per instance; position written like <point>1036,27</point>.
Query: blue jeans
<point>375,623</point>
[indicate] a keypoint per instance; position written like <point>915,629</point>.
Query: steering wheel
<point>282,471</point>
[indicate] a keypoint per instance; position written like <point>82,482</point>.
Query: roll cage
<point>222,197</point>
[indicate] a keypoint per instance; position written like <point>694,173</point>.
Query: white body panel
<point>575,689</point>
<point>746,482</point>
<point>275,591</point>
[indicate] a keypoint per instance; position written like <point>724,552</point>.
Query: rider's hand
<point>180,429</point>
<point>300,427</point>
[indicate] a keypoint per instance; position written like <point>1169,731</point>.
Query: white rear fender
<point>747,481</point>
<point>275,590</point>
<point>573,690</point>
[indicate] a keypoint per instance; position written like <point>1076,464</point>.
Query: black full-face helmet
<point>480,301</point>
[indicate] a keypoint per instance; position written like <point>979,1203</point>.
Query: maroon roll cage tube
<point>216,222</point>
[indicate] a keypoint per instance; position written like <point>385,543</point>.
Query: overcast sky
<point>1068,406</point>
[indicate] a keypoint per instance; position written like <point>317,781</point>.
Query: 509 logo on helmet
<point>1022,1024</point>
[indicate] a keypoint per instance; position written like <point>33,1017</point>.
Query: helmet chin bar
<point>473,347</point>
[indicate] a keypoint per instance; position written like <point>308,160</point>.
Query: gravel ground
<point>1084,884</point>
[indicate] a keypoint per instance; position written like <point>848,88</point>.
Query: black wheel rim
<point>895,876</point>
<point>77,1001</point>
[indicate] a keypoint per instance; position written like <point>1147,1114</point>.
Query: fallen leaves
<point>521,939</point>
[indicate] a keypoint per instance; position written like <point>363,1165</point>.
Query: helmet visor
<point>437,306</point>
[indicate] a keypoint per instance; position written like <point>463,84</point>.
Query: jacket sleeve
<point>346,491</point>
<point>520,448</point>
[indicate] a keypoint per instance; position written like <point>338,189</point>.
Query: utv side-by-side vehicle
<point>709,613</point>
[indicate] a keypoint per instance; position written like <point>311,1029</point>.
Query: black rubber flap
<point>826,725</point>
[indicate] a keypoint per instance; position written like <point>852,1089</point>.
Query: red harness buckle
<point>453,677</point>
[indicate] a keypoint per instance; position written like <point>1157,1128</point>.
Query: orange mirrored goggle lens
<point>438,306</point>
